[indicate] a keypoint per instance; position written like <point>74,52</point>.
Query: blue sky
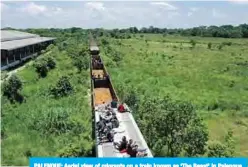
<point>106,14</point>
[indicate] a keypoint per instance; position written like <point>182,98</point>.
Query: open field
<point>214,80</point>
<point>43,125</point>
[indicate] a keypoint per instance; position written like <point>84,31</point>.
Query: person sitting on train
<point>108,116</point>
<point>136,152</point>
<point>110,136</point>
<point>109,125</point>
<point>122,145</point>
<point>114,103</point>
<point>130,146</point>
<point>107,137</point>
<point>114,121</point>
<point>108,107</point>
<point>101,127</point>
<point>121,108</point>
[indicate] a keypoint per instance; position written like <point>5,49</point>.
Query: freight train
<point>104,107</point>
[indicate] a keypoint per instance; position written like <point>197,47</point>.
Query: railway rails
<point>103,93</point>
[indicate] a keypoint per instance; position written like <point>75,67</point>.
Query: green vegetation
<point>62,88</point>
<point>189,95</point>
<point>212,80</point>
<point>43,125</point>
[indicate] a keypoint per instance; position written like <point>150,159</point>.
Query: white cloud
<point>164,5</point>
<point>33,9</point>
<point>57,9</point>
<point>190,14</point>
<point>194,9</point>
<point>116,14</point>
<point>217,14</point>
<point>173,14</point>
<point>95,5</point>
<point>3,6</point>
<point>239,1</point>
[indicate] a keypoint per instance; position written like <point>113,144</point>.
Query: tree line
<point>224,31</point>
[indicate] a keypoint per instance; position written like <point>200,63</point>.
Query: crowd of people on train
<point>97,63</point>
<point>108,121</point>
<point>129,147</point>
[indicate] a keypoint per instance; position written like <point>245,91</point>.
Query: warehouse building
<point>17,47</point>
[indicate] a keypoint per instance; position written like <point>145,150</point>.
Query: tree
<point>81,63</point>
<point>220,46</point>
<point>41,68</point>
<point>11,89</point>
<point>175,125</point>
<point>196,138</point>
<point>62,88</point>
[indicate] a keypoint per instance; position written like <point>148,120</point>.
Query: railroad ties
<point>104,107</point>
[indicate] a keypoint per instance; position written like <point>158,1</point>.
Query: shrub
<point>220,46</point>
<point>193,43</point>
<point>227,43</point>
<point>43,65</point>
<point>128,36</point>
<point>41,68</point>
<point>117,57</point>
<point>209,45</point>
<point>4,75</point>
<point>81,63</point>
<point>50,47</point>
<point>51,63</point>
<point>62,88</point>
<point>131,99</point>
<point>104,42</point>
<point>217,149</point>
<point>76,149</point>
<point>11,89</point>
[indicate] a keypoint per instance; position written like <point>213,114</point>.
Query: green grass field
<point>214,80</point>
<point>24,124</point>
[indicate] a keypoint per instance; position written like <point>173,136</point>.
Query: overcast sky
<point>170,14</point>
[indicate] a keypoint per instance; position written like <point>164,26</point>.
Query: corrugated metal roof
<point>9,35</point>
<point>10,45</point>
